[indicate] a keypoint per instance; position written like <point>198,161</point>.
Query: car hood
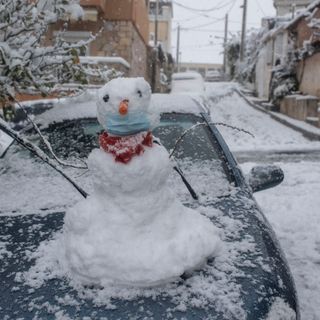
<point>247,280</point>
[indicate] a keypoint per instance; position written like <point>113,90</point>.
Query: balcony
<point>100,5</point>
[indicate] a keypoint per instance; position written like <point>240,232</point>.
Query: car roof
<point>186,75</point>
<point>175,102</point>
<point>84,106</point>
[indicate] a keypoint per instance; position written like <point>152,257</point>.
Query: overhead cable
<point>221,5</point>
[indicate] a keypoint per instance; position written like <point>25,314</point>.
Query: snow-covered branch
<point>38,153</point>
<point>25,63</point>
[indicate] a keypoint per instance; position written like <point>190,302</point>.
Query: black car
<point>249,279</point>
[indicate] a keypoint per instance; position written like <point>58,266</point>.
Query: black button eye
<point>139,93</point>
<point>106,98</point>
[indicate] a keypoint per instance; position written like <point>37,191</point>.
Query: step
<point>315,121</point>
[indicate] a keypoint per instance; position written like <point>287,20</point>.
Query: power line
<point>262,11</point>
<point>217,7</point>
<point>193,28</point>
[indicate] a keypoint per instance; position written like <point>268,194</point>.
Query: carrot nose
<point>123,107</point>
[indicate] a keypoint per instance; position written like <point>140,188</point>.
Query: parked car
<point>249,279</point>
<point>213,75</point>
<point>189,83</point>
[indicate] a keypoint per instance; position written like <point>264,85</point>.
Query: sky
<point>202,32</point>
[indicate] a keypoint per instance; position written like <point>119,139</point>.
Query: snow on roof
<point>84,106</point>
<point>97,59</point>
<point>186,75</point>
<point>286,25</point>
<point>182,103</point>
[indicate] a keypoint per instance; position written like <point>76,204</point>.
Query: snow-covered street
<point>293,207</point>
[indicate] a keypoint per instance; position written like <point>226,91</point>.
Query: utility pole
<point>178,48</point>
<point>225,43</point>
<point>293,9</point>
<point>156,24</point>
<point>155,50</point>
<point>243,32</point>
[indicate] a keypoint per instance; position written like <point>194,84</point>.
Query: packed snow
<point>132,230</point>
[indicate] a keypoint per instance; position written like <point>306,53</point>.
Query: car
<point>248,279</point>
<point>189,83</point>
<point>213,75</point>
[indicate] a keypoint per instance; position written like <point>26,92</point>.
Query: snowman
<point>132,230</point>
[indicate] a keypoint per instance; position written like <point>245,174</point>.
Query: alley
<point>292,207</point>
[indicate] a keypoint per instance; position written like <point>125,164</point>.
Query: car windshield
<point>41,188</point>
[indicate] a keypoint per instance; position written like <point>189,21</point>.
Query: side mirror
<point>265,177</point>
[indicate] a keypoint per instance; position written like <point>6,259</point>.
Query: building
<point>294,47</point>
<point>165,15</point>
<point>285,7</point>
<point>160,15</point>
<point>121,28</point>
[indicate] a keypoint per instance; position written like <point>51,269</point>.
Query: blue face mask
<point>127,125</point>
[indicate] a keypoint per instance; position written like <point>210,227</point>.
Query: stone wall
<point>300,107</point>
<point>309,75</point>
<point>120,38</point>
<point>117,38</point>
<point>304,32</point>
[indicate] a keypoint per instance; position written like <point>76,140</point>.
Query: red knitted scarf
<point>124,148</point>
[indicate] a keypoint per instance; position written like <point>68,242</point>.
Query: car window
<point>40,187</point>
<point>196,154</point>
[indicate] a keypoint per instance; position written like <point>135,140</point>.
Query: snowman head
<point>123,106</point>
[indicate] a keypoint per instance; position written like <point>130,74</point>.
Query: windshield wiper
<point>179,171</point>
<point>187,184</point>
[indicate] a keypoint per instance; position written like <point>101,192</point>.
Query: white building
<point>165,15</point>
<point>285,7</point>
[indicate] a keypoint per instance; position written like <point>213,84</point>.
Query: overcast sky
<point>202,31</point>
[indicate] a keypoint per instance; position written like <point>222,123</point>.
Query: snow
<point>280,310</point>
<point>135,90</point>
<point>268,134</point>
<point>82,106</point>
<point>187,83</point>
<point>292,208</point>
<point>176,103</point>
<point>298,123</point>
<point>98,59</point>
<point>132,230</point>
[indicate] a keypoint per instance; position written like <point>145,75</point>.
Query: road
<point>293,208</point>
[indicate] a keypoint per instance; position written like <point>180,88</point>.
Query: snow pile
<point>132,230</point>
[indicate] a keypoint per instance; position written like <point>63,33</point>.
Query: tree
<point>26,65</point>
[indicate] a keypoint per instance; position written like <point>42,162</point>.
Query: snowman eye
<point>139,93</point>
<point>106,98</point>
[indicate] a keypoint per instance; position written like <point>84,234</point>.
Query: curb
<point>306,133</point>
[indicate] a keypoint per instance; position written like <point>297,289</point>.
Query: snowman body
<point>133,230</point>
